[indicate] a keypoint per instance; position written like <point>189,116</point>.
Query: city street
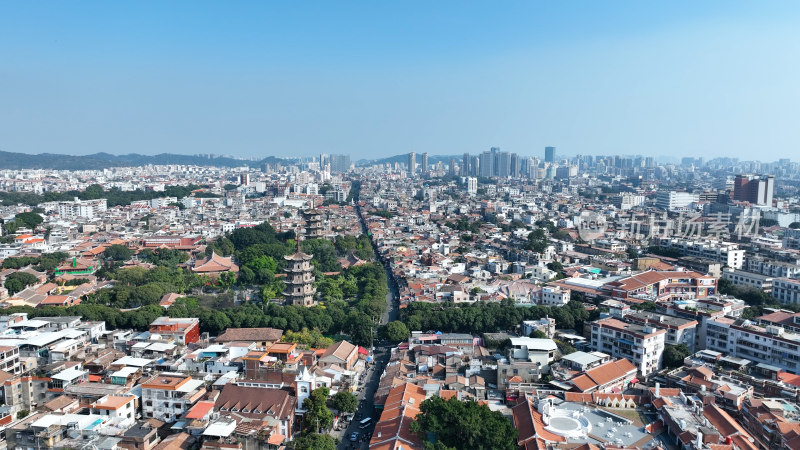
<point>365,404</point>
<point>366,395</point>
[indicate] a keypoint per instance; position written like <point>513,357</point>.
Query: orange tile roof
<point>200,410</point>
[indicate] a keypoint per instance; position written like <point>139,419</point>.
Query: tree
<point>18,281</point>
<point>315,441</point>
<point>360,328</point>
<point>29,219</point>
<point>674,355</point>
<point>555,266</point>
<point>464,425</point>
<point>766,223</point>
<point>539,334</point>
<point>794,225</point>
<point>118,252</point>
<point>537,241</point>
<point>318,416</point>
<point>397,331</point>
<point>344,402</point>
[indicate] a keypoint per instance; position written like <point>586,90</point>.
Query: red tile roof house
<point>342,354</point>
<point>59,300</point>
<point>183,330</point>
<point>613,376</point>
<point>258,403</point>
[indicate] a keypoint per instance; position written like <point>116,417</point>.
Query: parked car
<point>354,437</point>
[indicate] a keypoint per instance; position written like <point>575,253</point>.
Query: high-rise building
<point>503,164</point>
<point>424,167</point>
<point>339,163</point>
<point>244,179</point>
<point>474,165</point>
<point>487,164</point>
<point>465,165</point>
<point>756,189</point>
<point>516,166</point>
<point>412,163</point>
<point>550,154</point>
<point>452,171</point>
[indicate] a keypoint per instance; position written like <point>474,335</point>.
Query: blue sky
<point>713,78</point>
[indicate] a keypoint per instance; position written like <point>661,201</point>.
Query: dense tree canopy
<point>29,219</point>
<point>396,331</point>
<point>18,281</point>
<point>537,241</point>
<point>345,402</point>
<point>118,252</point>
<point>315,441</point>
<point>489,317</point>
<point>318,417</point>
<point>464,425</point>
<point>674,355</point>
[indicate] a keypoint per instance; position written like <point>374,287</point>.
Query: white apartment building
<point>786,290</point>
<point>748,279</point>
<point>674,200</point>
<point>118,410</point>
<point>9,359</point>
<point>86,209</point>
<point>679,330</point>
<point>791,239</point>
<point>627,201</point>
<point>776,269</point>
<point>744,339</point>
<point>540,351</point>
<point>167,397</point>
<point>643,345</point>
<point>554,296</point>
<point>726,253</point>
<point>704,311</point>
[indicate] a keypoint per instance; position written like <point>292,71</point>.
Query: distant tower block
<point>313,224</point>
<point>299,279</point>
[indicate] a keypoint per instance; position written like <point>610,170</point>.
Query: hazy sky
<point>376,78</point>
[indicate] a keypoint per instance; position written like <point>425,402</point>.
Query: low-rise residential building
<point>679,330</point>
<point>546,325</point>
<point>748,279</point>
<point>181,330</point>
<point>771,345</point>
<point>554,296</point>
<point>611,376</point>
<point>725,253</point>
<point>119,411</point>
<point>654,285</point>
<point>167,396</point>
<point>260,404</point>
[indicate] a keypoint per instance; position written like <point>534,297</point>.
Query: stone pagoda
<point>313,224</point>
<point>299,279</point>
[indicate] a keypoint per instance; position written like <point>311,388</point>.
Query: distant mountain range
<point>10,160</point>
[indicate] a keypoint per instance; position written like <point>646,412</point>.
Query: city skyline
<point>255,79</point>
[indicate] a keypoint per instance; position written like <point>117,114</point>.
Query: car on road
<point>354,437</point>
